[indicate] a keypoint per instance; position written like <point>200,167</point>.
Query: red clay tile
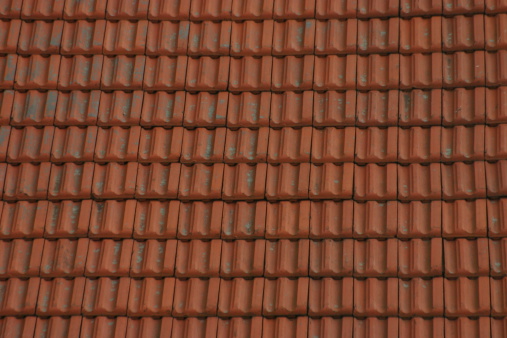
<point>378,145</point>
<point>378,36</point>
<point>419,219</point>
<point>378,72</point>
<point>21,258</point>
<point>293,37</point>
<point>420,35</point>
<point>419,182</point>
<point>11,9</point>
<point>330,297</point>
<point>289,145</point>
<point>285,77</point>
<point>27,181</point>
<point>250,74</point>
<point>331,258</point>
<point>376,8</point>
<point>422,327</point>
<point>68,219</point>
<point>335,72</point>
<point>73,144</point>
<point>117,144</point>
<point>453,7</point>
<point>248,110</point>
<point>109,258</point>
<point>125,37</point>
<point>421,297</point>
<point>22,219</point>
<point>244,220</point>
<point>495,31</point>
<point>376,297</point>
<point>419,145</point>
<point>293,300</point>
<point>207,74</point>
<point>495,178</point>
<point>123,72</point>
<point>115,327</point>
<point>498,307</point>
<point>196,297</point>
<point>114,305</point>
<point>287,181</point>
<point>18,296</point>
<point>39,37</point>
<point>242,258</point>
<point>156,145</point>
<point>120,108</point>
<point>495,73</point>
<point>239,297</point>
<point>83,37</point>
<point>80,72</point>
<point>375,219</point>
<point>162,109</point>
<point>7,70</point>
<point>246,145</point>
<point>147,326</point>
<point>331,327</point>
<point>157,181</point>
<point>420,107</point>
<point>335,36</point>
<point>463,143</point>
<point>376,258</point>
<point>39,9</point>
<point>281,223</point>
<point>495,105</point>
<point>213,10</point>
<point>496,142</point>
<point>151,297</point>
<point>468,327</point>
<point>286,258</point>
<point>423,71</point>
<point>90,9</point>
<point>249,38</point>
<point>200,220</point>
<point>205,109</point>
<point>377,109</point>
<point>252,9</point>
<point>69,293</point>
<point>375,182</point>
<point>165,73</point>
<point>294,327</point>
<point>202,145</point>
<point>331,181</point>
<point>333,145</point>
<point>465,106</point>
<point>334,108</point>
<point>195,326</point>
<point>37,72</point>
<point>462,180</point>
<point>466,258</point>
<point>463,69</point>
<point>463,33</point>
<point>410,8</point>
<point>464,219</point>
<point>167,38</point>
<point>172,10</point>
<point>291,109</point>
<point>244,182</point>
<point>201,182</point>
<point>58,326</point>
<point>6,105</point>
<point>497,262</point>
<point>112,219</point>
<point>77,108</point>
<point>3,177</point>
<point>420,258</point>
<point>293,9</point>
<point>127,10</point>
<point>29,144</point>
<point>114,180</point>
<point>70,181</point>
<point>209,38</point>
<point>329,9</point>
<point>64,258</point>
<point>331,219</point>
<point>156,219</point>
<point>464,296</point>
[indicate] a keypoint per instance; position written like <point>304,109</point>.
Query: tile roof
<point>253,168</point>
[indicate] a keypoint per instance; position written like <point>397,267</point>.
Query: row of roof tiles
<point>299,327</point>
<point>290,73</point>
<point>237,297</point>
<point>285,145</point>
<point>292,37</point>
<point>419,107</point>
<point>254,182</point>
<point>253,220</point>
<point>283,258</point>
<point>241,9</point>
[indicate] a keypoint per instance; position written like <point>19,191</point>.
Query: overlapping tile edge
<point>273,168</point>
